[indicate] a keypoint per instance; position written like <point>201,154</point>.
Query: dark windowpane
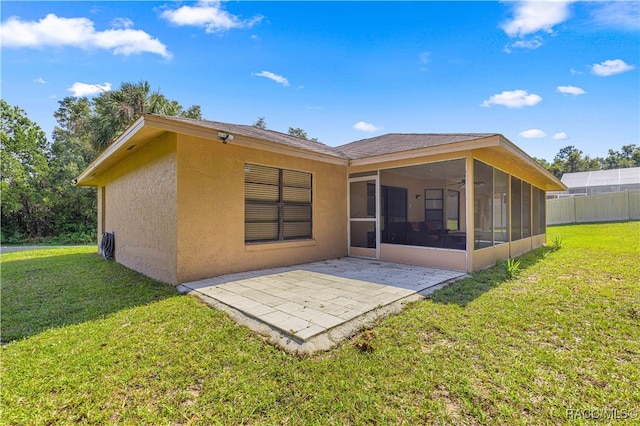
<point>393,214</point>
<point>294,213</point>
<point>434,209</point>
<point>296,195</point>
<point>363,234</point>
<point>542,206</point>
<point>294,230</point>
<point>371,200</point>
<point>297,179</point>
<point>261,174</point>
<point>539,205</point>
<point>482,204</point>
<point>260,231</point>
<point>261,192</point>
<point>261,213</point>
<point>516,208</point>
<point>500,207</point>
<point>526,210</point>
<point>453,209</point>
<point>362,199</point>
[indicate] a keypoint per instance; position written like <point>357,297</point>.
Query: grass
<point>564,333</point>
<point>49,288</point>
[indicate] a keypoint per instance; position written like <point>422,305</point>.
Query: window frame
<point>279,205</point>
<point>432,213</point>
<point>456,197</point>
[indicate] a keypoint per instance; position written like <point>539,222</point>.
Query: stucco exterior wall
<point>139,207</point>
<point>210,215</point>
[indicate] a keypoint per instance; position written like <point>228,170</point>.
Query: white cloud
<point>84,89</point>
<point>617,14</point>
<point>611,67</point>
<point>533,134</point>
<point>571,90</point>
<point>53,31</point>
<point>531,44</point>
<point>575,72</point>
<point>40,80</point>
<point>210,15</point>
<point>560,136</point>
<point>424,57</point>
<point>122,23</point>
<point>513,99</point>
<point>533,16</point>
<point>366,127</point>
<point>275,77</point>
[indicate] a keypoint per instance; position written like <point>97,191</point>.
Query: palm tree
<point>116,110</point>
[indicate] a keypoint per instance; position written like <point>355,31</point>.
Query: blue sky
<point>546,74</point>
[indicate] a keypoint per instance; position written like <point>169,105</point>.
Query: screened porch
<point>428,215</point>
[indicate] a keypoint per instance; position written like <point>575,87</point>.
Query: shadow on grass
<point>468,289</point>
<point>55,289</point>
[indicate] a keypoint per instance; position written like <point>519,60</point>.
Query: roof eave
<point>151,121</point>
<point>556,184</point>
<point>193,129</point>
<point>489,141</point>
<point>85,178</point>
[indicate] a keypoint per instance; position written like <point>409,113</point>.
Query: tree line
<point>40,203</point>
<point>571,160</point>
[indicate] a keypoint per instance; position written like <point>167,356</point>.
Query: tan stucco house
<point>189,199</point>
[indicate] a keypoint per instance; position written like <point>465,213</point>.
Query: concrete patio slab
<point>313,306</point>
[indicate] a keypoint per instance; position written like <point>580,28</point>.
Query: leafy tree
<point>300,133</point>
<point>39,199</point>
<point>74,208</point>
<point>570,160</point>
<point>194,111</point>
<point>24,171</point>
<point>260,123</point>
<point>73,132</point>
<point>116,110</point>
<point>297,132</point>
<point>628,156</point>
<point>544,163</point>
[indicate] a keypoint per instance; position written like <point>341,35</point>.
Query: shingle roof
<point>263,134</point>
<point>398,142</point>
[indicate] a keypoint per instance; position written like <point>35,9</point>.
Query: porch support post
<point>378,211</point>
<point>470,213</point>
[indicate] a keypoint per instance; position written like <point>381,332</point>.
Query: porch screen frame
<point>375,220</point>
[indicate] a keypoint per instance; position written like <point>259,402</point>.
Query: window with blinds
<point>277,204</point>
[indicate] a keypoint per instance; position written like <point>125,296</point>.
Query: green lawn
<point>104,345</point>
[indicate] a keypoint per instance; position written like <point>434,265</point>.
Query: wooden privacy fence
<point>606,207</point>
